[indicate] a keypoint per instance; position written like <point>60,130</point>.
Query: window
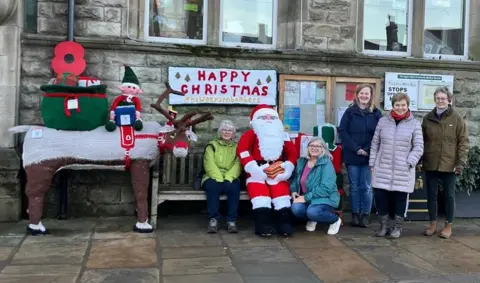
<point>176,21</point>
<point>386,27</point>
<point>445,29</point>
<point>248,23</point>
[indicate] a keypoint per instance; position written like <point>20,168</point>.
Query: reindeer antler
<point>158,104</point>
<point>203,118</point>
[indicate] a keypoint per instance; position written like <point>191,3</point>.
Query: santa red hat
<point>262,109</point>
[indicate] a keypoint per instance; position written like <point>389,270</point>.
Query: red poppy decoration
<point>69,58</point>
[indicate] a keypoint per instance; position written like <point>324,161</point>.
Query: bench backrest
<point>179,173</point>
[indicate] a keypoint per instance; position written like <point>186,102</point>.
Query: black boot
<point>383,219</point>
<point>262,218</point>
<point>364,220</point>
<point>355,219</point>
<point>284,222</point>
<point>397,228</point>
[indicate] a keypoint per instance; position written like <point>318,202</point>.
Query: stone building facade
<point>314,37</point>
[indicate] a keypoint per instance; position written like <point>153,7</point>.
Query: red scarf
<point>398,117</point>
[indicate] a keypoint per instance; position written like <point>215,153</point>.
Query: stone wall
<point>110,193</point>
<point>102,26</point>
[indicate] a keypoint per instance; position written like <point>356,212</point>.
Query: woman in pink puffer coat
<point>397,146</point>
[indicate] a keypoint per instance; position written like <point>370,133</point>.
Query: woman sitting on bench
<point>222,172</point>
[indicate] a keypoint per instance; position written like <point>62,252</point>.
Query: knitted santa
<point>258,148</point>
<point>130,90</point>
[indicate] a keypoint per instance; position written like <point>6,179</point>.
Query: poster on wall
<point>419,87</point>
<point>223,86</point>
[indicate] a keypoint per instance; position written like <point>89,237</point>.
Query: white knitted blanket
<point>43,143</point>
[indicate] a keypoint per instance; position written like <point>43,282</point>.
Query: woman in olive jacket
<point>446,153</point>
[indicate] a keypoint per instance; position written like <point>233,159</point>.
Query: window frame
<point>148,38</point>
<point>275,26</point>
<point>408,53</point>
<point>466,37</point>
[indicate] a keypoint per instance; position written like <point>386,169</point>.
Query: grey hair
<point>444,89</point>
<point>323,144</point>
<point>227,124</point>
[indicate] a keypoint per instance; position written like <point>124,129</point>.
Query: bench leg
<point>153,219</point>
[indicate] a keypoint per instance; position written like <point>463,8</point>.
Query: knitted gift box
<point>74,108</point>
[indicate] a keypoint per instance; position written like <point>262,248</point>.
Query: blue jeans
<point>320,213</point>
<point>361,195</point>
<point>214,189</point>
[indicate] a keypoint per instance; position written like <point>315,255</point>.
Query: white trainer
<point>333,229</point>
<point>311,226</point>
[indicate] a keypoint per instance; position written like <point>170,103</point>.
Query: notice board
<point>303,102</point>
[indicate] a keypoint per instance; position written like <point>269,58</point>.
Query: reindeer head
<point>177,131</point>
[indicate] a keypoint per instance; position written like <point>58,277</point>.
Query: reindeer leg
<point>39,179</point>
<point>140,172</point>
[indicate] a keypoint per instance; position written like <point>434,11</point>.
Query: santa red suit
<point>264,144</point>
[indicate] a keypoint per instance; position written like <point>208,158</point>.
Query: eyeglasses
<point>227,131</point>
<point>267,117</point>
<point>441,98</point>
<point>315,146</point>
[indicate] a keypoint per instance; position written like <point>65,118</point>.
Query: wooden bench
<point>172,179</point>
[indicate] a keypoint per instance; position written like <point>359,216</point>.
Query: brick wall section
<point>92,17</point>
<point>330,25</point>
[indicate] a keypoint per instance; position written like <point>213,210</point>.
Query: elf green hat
<point>329,133</point>
<point>129,78</point>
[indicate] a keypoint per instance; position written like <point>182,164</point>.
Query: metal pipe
<point>70,20</point>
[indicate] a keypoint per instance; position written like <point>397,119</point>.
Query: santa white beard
<point>270,138</point>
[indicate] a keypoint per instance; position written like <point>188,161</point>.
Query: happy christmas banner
<point>223,86</point>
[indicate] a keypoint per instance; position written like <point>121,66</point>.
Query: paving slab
<point>354,241</point>
<point>263,254</point>
<point>118,228</point>
<point>40,273</point>
<point>182,238</point>
<point>451,257</point>
<point>72,228</point>
<point>398,263</point>
<point>10,241</point>
<point>205,278</point>
<point>282,279</point>
<point>16,229</point>
<point>464,278</point>
<point>200,265</point>
<point>44,250</point>
<point>5,252</point>
<point>248,239</point>
<point>470,241</point>
<point>339,264</point>
<point>313,240</point>
<point>192,252</point>
<point>138,275</point>
<point>123,253</point>
<point>254,269</point>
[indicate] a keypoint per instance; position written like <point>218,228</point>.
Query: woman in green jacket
<point>314,189</point>
<point>222,172</point>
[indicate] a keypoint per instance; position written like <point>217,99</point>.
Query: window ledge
<point>310,56</point>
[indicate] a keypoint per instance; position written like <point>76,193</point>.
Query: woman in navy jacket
<point>356,131</point>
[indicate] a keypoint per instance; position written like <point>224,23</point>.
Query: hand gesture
<point>362,152</point>
<point>299,199</point>
<point>295,195</point>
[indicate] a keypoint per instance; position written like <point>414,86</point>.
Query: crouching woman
<point>397,146</point>
<point>314,190</point>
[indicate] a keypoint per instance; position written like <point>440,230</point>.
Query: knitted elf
<point>130,90</point>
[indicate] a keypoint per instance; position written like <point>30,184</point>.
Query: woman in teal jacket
<point>222,172</point>
<point>314,189</point>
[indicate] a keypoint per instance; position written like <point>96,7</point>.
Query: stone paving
<point>106,251</point>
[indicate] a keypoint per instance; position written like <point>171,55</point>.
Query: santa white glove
<point>137,115</point>
<point>288,167</point>
<point>112,115</point>
<point>255,171</point>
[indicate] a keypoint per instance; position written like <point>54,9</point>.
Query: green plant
<point>470,179</point>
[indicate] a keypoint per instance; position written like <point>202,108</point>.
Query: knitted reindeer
<point>46,151</point>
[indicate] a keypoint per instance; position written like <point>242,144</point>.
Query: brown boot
<point>432,229</point>
<point>446,231</point>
